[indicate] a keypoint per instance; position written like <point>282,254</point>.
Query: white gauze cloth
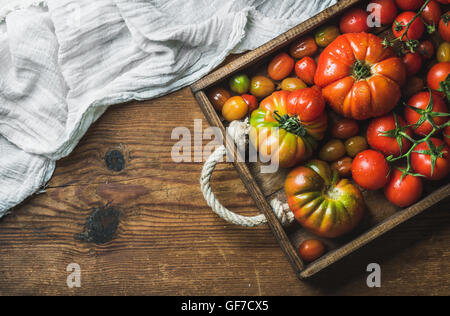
<point>63,62</point>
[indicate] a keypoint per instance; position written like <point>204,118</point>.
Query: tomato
<point>446,134</point>
<point>321,202</point>
<point>421,160</point>
<point>251,102</point>
<point>370,170</point>
<point>239,83</point>
<point>388,10</point>
<point>413,63</point>
<point>304,47</point>
<point>281,66</point>
<point>426,49</point>
<point>359,77</point>
<point>282,135</point>
<point>234,109</point>
<point>355,145</point>
<point>307,103</point>
<point>388,145</point>
<point>444,27</point>
<point>415,31</point>
<point>354,21</point>
<point>218,97</point>
<point>344,128</point>
<point>409,4</point>
<point>403,192</point>
<point>421,101</point>
<point>432,13</point>
<point>311,250</point>
<point>332,150</point>
<point>444,1</point>
<point>343,166</point>
<point>413,86</point>
<point>443,53</point>
<point>292,84</point>
<point>437,74</point>
<point>305,69</point>
<point>326,34</point>
<point>261,86</point>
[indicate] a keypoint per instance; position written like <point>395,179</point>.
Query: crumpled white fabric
<point>63,62</point>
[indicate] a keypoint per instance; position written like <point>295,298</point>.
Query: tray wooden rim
<point>250,183</point>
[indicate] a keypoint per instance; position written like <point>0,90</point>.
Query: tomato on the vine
<point>388,144</point>
<point>354,21</point>
<point>370,170</point>
<point>388,10</point>
<point>421,101</point>
<point>416,28</point>
<point>281,66</point>
<point>437,74</point>
<point>402,190</point>
<point>305,69</point>
<point>432,13</point>
<point>409,5</point>
<point>413,63</point>
<point>422,159</point>
<point>426,49</point>
<point>444,27</point>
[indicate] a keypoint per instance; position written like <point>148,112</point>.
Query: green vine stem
<point>290,123</point>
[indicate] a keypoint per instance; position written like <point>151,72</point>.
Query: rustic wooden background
<point>168,242</point>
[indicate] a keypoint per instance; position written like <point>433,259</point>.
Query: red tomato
<point>403,192</point>
<point>416,29</point>
<point>251,102</point>
<point>444,1</point>
<point>426,49</point>
<point>354,21</point>
<point>307,103</point>
<point>344,128</point>
<point>437,74</point>
<point>305,69</point>
<point>281,66</point>
<point>409,5</point>
<point>421,162</point>
<point>387,145</point>
<point>432,13</point>
<point>446,134</point>
<point>413,63</point>
<point>388,10</point>
<point>370,170</point>
<point>311,250</point>
<point>444,27</point>
<point>421,101</point>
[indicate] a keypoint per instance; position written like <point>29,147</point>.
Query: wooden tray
<point>381,216</point>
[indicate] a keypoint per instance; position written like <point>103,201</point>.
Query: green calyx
<point>290,123</point>
<point>361,70</point>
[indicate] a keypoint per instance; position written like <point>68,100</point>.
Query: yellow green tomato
<point>443,52</point>
<point>326,35</point>
<point>239,83</point>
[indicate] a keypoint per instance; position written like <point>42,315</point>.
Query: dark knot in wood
<point>101,225</point>
<point>115,161</point>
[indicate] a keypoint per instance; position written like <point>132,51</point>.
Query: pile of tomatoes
<point>389,127</point>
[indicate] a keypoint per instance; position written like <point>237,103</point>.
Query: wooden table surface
<point>168,242</point>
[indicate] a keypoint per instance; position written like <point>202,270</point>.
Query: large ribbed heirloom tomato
<point>322,202</point>
<point>279,133</point>
<point>360,78</point>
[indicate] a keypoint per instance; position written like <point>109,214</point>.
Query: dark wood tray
<point>381,216</point>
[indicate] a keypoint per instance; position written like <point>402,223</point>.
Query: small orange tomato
<point>218,97</point>
<point>304,47</point>
<point>234,109</point>
<point>261,86</point>
<point>281,66</point>
<point>305,69</point>
<point>343,166</point>
<point>251,102</point>
<point>311,250</point>
<point>292,84</point>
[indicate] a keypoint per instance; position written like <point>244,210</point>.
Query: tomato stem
<point>361,70</point>
<point>290,123</point>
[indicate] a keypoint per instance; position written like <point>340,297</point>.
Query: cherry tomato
<point>370,170</point>
<point>239,83</point>
<point>426,49</point>
<point>307,103</point>
<point>251,102</point>
<point>332,150</point>
<point>234,109</point>
<point>261,86</point>
<point>344,128</point>
<point>432,13</point>
<point>413,63</point>
<point>388,10</point>
<point>325,35</point>
<point>444,27</point>
<point>446,134</point>
<point>355,145</point>
<point>304,47</point>
<point>343,166</point>
<point>443,53</point>
<point>385,144</point>
<point>281,66</point>
<point>305,69</point>
<point>292,84</point>
<point>437,74</point>
<point>422,162</point>
<point>218,97</point>
<point>354,21</point>
<point>413,86</point>
<point>403,192</point>
<point>415,31</point>
<point>409,5</point>
<point>311,250</point>
<point>421,101</point>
